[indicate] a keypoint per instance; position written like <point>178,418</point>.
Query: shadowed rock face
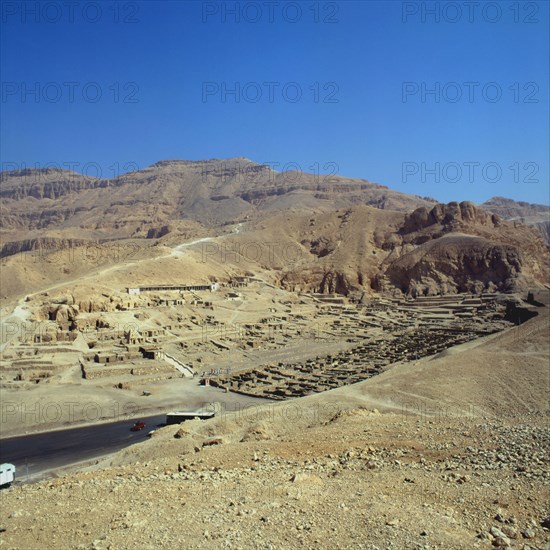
<point>457,264</point>
<point>158,232</point>
<point>45,245</point>
<point>335,283</point>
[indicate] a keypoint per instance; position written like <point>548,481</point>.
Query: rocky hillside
<point>462,248</point>
<point>443,249</point>
<point>537,215</point>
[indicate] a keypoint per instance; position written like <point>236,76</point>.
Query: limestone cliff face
<point>544,229</point>
<point>331,235</point>
<point>457,263</point>
<point>47,183</point>
<point>445,218</point>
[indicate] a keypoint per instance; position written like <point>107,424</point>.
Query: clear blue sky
<point>362,69</point>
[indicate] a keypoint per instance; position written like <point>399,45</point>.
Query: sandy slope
<point>501,375</point>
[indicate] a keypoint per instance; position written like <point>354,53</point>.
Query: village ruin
<point>219,334</point>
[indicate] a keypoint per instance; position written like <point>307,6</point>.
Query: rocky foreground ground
<point>361,479</point>
<point>327,471</point>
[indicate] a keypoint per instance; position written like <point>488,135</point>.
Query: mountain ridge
<point>211,192</point>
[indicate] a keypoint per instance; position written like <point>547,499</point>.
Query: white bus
<point>7,474</point>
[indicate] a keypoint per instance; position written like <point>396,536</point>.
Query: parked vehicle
<point>7,474</point>
<point>139,425</point>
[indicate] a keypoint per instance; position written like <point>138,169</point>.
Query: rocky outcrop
<point>335,282</point>
<point>93,305</point>
<point>320,247</point>
<point>63,314</point>
<point>158,232</point>
<point>449,248</point>
<point>457,264</point>
<point>447,218</point>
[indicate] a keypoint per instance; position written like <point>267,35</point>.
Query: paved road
<point>36,453</point>
<point>44,451</point>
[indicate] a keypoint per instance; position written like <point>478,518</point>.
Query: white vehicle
<point>7,474</point>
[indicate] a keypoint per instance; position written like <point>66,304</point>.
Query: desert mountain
<point>301,231</point>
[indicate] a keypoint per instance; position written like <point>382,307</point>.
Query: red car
<point>139,425</point>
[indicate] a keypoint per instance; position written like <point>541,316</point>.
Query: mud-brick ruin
<point>245,336</point>
<point>390,331</point>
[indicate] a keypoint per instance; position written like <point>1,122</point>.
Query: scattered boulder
<point>213,441</point>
